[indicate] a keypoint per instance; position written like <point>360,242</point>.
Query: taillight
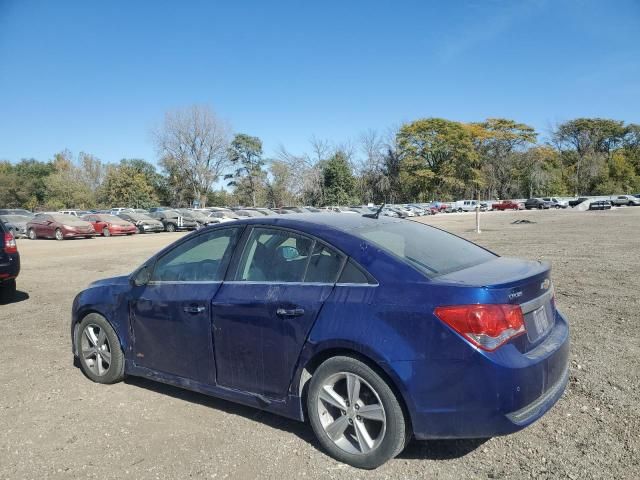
<point>485,326</point>
<point>10,245</point>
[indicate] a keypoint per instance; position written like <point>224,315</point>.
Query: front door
<point>263,315</point>
<point>171,314</point>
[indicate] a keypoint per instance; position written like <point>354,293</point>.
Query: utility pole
<point>478,212</point>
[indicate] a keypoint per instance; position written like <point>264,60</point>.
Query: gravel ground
<point>54,423</point>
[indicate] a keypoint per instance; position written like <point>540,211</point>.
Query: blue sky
<point>98,76</point>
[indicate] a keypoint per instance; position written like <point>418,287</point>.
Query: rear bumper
<point>487,394</point>
<point>9,267</point>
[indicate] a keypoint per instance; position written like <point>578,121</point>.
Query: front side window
<point>273,255</point>
<point>203,258</point>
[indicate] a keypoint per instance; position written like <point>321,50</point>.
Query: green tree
<point>496,140</point>
<point>245,155</point>
<point>437,158</point>
<point>125,185</point>
<point>339,183</point>
<point>586,145</point>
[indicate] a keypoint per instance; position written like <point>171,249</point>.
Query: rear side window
<point>429,250</point>
<point>275,255</point>
<point>352,274</point>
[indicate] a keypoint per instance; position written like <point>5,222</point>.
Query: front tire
<point>32,234</point>
<point>98,348</point>
<point>355,414</point>
<point>59,235</point>
<point>170,227</point>
<point>106,232</point>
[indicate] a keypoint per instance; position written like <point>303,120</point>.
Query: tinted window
<point>324,265</point>
<point>429,250</point>
<point>352,274</point>
<point>274,256</point>
<point>201,259</point>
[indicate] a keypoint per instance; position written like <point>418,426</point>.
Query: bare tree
<point>192,144</point>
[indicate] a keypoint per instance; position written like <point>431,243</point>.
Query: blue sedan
<point>375,330</point>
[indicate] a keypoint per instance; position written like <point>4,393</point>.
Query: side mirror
<point>142,276</point>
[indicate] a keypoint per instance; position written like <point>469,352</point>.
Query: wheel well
<point>317,360</point>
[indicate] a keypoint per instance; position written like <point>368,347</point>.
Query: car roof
<point>307,221</point>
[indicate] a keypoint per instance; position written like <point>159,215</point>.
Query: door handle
<point>290,312</point>
<point>194,308</point>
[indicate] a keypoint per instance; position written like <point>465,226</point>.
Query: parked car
<point>9,264</point>
<point>281,302</point>
<point>16,211</point>
<point>556,202</point>
<point>468,206</point>
<point>198,217</point>
<point>600,205</point>
<point>75,213</point>
<point>58,226</point>
<point>538,203</point>
<point>506,205</point>
<point>224,215</point>
<point>173,220</point>
<point>16,224</point>
<point>144,223</point>
<point>628,200</point>
<point>107,225</point>
<point>577,201</point>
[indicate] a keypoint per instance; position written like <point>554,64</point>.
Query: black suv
<point>9,264</point>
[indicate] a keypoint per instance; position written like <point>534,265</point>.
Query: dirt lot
<point>54,423</point>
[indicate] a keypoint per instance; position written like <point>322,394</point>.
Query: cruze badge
<point>515,294</point>
<point>545,285</point>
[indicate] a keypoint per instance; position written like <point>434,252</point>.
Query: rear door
<point>263,315</point>
<point>171,314</point>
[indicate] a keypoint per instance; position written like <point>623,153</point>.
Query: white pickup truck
<point>467,206</point>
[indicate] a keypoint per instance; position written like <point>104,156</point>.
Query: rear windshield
<point>431,251</point>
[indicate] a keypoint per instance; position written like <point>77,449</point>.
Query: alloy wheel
<point>351,413</point>
<point>95,349</point>
<point>59,235</point>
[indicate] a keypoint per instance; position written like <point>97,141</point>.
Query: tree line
<point>201,160</point>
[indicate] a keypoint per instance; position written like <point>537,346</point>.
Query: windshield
<point>138,217</point>
<point>430,250</point>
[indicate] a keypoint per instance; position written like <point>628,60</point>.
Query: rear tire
<point>341,390</point>
<point>98,349</point>
<point>8,291</point>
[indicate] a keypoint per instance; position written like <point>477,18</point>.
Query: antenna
<point>374,215</point>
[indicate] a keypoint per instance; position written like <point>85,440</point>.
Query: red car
<point>507,205</point>
<point>108,225</point>
<point>58,226</point>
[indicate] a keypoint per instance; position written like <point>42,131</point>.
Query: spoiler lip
<point>500,272</point>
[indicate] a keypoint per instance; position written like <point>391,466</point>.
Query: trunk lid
<point>517,282</point>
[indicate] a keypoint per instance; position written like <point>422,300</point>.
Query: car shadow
<point>302,430</point>
<point>19,296</point>
<point>441,449</point>
<point>417,450</point>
